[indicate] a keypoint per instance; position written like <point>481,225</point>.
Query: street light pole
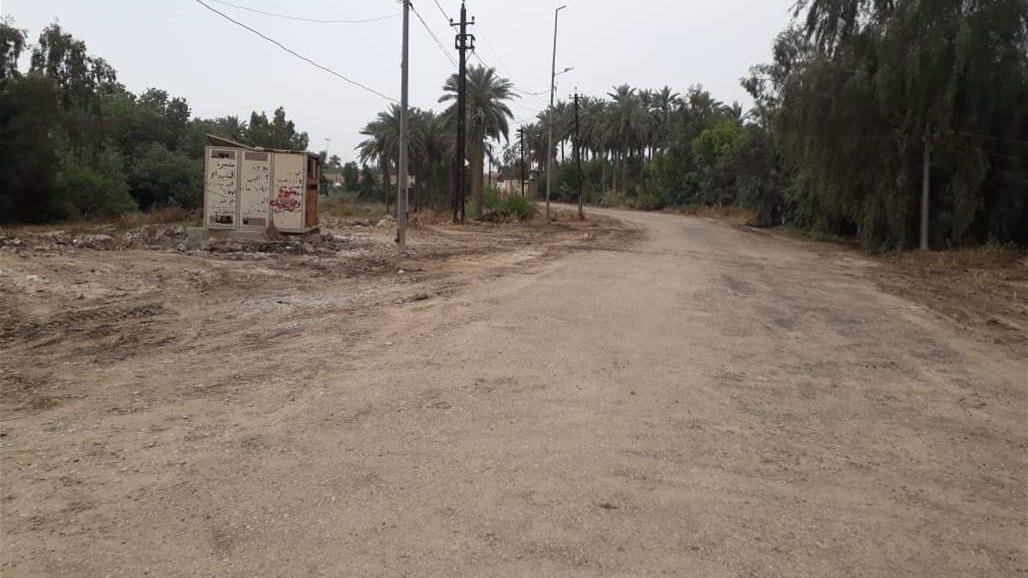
<point>578,162</point>
<point>549,114</point>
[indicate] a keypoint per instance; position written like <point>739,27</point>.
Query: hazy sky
<point>180,46</point>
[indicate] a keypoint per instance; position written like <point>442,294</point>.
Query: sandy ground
<point>685,399</point>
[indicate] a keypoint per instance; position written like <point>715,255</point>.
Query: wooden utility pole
<point>926,187</point>
<point>578,162</point>
<point>464,43</point>
<point>403,178</point>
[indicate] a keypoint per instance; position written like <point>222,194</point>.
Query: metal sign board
<point>222,185</point>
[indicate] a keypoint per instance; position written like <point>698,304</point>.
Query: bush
<point>163,177</point>
<point>520,207</point>
<point>613,199</point>
<point>491,199</point>
<point>648,201</point>
<point>499,208</point>
<point>89,193</point>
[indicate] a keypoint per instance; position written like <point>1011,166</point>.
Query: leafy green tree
<point>161,177</point>
<point>193,140</point>
<point>368,186</point>
<point>133,123</point>
<point>95,190</point>
<point>880,81</point>
<point>279,133</point>
<point>80,79</point>
<point>713,151</point>
<point>28,162</point>
<point>12,44</point>
<point>351,177</point>
<point>75,141</point>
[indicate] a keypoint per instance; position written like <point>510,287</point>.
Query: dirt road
<point>705,401</point>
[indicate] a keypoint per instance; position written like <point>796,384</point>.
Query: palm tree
<point>665,101</point>
<point>433,149</point>
<point>383,145</point>
<point>487,116</point>
<point>626,125</point>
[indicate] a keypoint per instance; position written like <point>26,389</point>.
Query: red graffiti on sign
<point>287,201</point>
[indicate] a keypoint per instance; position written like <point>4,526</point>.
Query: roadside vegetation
<point>835,144</point>
<point>75,144</point>
<point>836,140</point>
<point>860,103</point>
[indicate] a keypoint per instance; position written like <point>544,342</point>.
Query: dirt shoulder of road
<point>982,291</point>
<point>85,299</point>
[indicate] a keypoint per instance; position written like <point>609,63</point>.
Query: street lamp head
<point>561,8</point>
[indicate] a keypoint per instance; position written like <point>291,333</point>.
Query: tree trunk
<point>383,163</point>
<point>614,166</point>
<point>642,173</point>
<point>476,145</point>
<point>925,190</point>
<point>624,172</point>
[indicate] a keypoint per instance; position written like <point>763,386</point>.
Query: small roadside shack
<point>252,189</point>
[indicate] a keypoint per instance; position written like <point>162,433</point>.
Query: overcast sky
<point>180,46</point>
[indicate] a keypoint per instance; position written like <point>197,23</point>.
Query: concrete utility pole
<point>926,188</point>
<point>549,114</point>
<point>463,45</point>
<point>522,161</point>
<point>403,178</point>
<point>578,162</point>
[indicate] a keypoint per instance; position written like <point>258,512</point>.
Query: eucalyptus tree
<point>12,43</point>
<point>891,96</point>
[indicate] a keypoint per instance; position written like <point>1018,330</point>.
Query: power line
<point>529,94</point>
<point>294,53</point>
<point>485,39</point>
<point>434,37</point>
<point>302,19</point>
<point>446,16</point>
<point>525,108</point>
